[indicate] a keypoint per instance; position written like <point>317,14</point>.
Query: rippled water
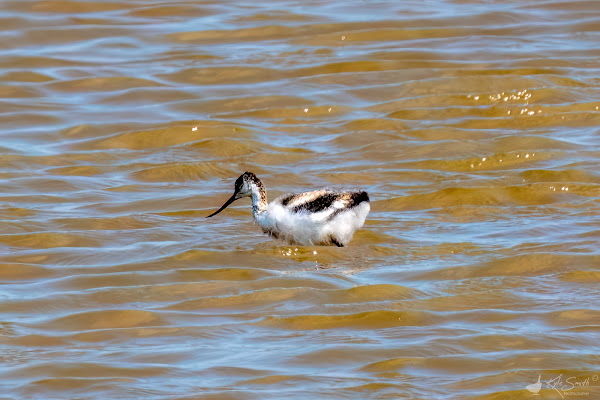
<point>473,126</point>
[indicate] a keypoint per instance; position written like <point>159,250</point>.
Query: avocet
<point>319,217</point>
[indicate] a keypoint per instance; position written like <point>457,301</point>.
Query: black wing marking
<point>321,203</point>
<point>286,200</point>
<point>325,201</point>
<point>359,197</point>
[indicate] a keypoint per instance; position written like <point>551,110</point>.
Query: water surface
<point>473,126</point>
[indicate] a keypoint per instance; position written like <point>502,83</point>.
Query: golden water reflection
<point>472,126</point>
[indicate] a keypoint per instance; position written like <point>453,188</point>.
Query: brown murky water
<point>473,125</point>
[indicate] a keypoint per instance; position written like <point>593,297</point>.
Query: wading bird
<point>320,217</point>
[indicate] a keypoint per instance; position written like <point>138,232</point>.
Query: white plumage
<point>320,217</point>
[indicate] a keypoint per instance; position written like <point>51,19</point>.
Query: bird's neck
<point>259,199</point>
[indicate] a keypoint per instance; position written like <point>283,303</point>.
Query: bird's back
<point>317,217</point>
